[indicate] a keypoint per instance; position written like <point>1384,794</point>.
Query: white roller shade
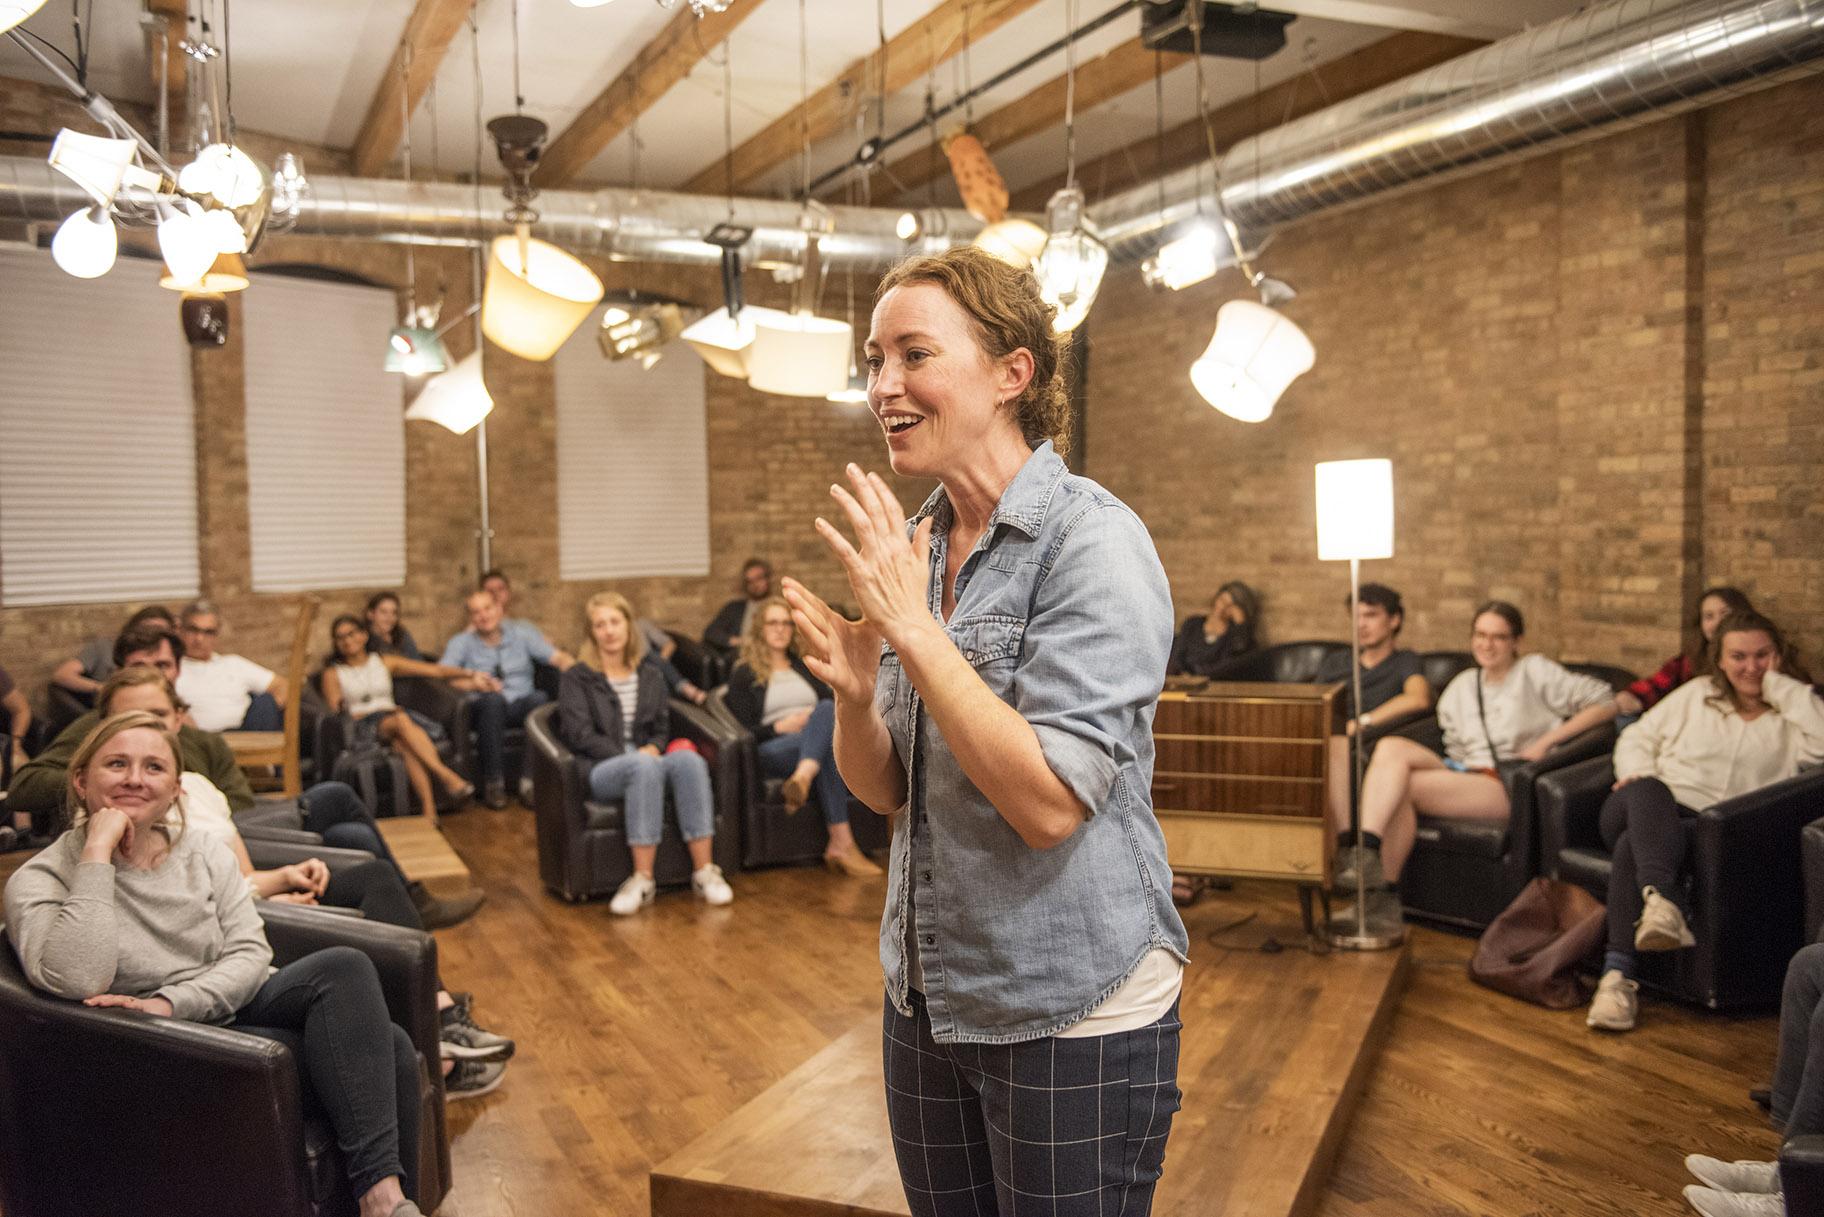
<point>325,436</point>
<point>632,463</point>
<point>97,437</point>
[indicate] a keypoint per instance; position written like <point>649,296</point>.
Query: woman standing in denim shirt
<point>997,698</point>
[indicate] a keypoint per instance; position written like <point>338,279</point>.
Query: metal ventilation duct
<point>1607,67</point>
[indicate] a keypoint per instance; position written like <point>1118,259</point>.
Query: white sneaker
<point>1616,1004</point>
<point>709,885</point>
<point>633,895</point>
<point>1712,1203</point>
<point>1661,926</point>
<point>1753,1178</point>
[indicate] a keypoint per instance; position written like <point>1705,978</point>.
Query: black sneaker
<point>496,795</point>
<point>471,1078</point>
<point>465,1039</point>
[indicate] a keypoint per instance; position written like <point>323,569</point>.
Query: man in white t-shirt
<point>225,692</point>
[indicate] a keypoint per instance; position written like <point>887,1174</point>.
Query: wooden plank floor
<point>1275,1053</point>
<point>637,1036</point>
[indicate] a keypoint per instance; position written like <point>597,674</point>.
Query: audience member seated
<point>497,585</point>
<point>1754,1189</point>
<point>613,709</point>
<point>660,647</point>
<point>1712,606</point>
<point>1508,708</point>
<point>386,634</point>
<point>360,681</point>
<point>792,717</point>
<point>329,809</point>
<point>373,887</point>
<point>128,910</point>
<point>83,674</point>
<point>502,654</point>
<point>1227,630</point>
<point>1744,726</point>
<point>15,717</point>
<point>1393,685</point>
<point>225,692</point>
<point>731,624</point>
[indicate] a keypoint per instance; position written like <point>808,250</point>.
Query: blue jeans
<point>640,782</point>
<point>358,1068</point>
<point>263,714</point>
<point>781,754</point>
<point>492,715</point>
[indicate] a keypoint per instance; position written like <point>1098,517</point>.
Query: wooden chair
<point>259,750</point>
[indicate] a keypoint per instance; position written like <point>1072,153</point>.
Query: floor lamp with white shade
<point>1355,522</point>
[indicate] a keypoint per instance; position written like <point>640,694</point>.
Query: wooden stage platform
<point>1277,1048</point>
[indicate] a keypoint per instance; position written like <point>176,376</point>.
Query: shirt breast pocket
<point>991,644</point>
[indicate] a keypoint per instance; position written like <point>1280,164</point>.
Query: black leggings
<point>1798,1077</point>
<point>1646,831</point>
<point>358,1069</point>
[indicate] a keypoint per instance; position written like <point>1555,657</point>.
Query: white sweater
<point>1699,746</point>
<point>1536,695</point>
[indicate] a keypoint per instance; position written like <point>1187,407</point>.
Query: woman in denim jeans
<point>997,698</point>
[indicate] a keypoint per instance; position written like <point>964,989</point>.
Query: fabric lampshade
<point>532,306</point>
<point>456,399</point>
<point>1253,355</point>
<point>799,355</point>
<point>1354,509</point>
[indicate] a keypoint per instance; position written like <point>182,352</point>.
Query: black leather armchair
<point>1464,872</point>
<point>1282,663</point>
<point>1745,887</point>
<point>770,836</point>
<point>76,1085</point>
<point>1802,1174</point>
<point>1811,865</point>
<point>452,708</point>
<point>582,844</point>
<point>698,662</point>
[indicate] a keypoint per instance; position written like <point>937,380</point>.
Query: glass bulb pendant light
<point>1071,266</point>
<point>86,244</point>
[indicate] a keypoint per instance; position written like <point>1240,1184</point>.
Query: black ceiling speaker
<point>1232,33</point>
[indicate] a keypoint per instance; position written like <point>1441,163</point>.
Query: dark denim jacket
<point>1064,611</point>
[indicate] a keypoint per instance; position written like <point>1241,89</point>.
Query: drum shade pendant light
<point>800,354</point>
<point>456,399</point>
<point>227,273</point>
<point>723,338</point>
<point>1254,354</point>
<point>536,293</point>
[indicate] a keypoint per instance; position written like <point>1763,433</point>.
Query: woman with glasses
<point>361,681</point>
<point>773,694</point>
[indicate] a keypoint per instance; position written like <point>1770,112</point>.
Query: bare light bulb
<point>86,244</point>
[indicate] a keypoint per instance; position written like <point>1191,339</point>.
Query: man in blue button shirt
<point>508,651</point>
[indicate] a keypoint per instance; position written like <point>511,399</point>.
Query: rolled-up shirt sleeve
<point>1095,648</point>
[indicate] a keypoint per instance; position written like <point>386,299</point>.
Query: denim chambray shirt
<point>1063,610</point>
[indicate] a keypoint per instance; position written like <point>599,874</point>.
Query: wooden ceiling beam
<point>908,56</point>
<point>684,42</point>
<point>1104,78</point>
<point>428,34</point>
<point>1371,67</point>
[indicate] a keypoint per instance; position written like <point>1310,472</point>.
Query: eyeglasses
<point>345,635</point>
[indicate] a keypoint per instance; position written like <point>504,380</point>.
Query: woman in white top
<point>1509,707</point>
<point>361,682</point>
<point>1746,726</point>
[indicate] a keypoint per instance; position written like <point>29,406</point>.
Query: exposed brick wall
<point>1598,374</point>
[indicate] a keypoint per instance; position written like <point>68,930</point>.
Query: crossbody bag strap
<point>1494,753</point>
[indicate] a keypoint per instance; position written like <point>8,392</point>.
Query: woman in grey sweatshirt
<point>127,910</point>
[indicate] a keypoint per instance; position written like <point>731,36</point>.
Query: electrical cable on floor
<point>1213,937</point>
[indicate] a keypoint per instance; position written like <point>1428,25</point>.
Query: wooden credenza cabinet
<point>1239,776</point>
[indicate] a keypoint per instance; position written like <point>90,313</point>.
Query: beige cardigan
<point>1699,746</point>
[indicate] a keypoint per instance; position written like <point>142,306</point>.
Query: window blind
<point>97,437</point>
<point>325,436</point>
<point>632,463</point>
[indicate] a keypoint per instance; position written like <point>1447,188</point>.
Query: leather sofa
<point>1281,663</point>
<point>1464,872</point>
<point>80,1088</point>
<point>770,836</point>
<point>582,843</point>
<point>1744,885</point>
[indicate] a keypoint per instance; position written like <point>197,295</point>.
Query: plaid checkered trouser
<point>1053,1127</point>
